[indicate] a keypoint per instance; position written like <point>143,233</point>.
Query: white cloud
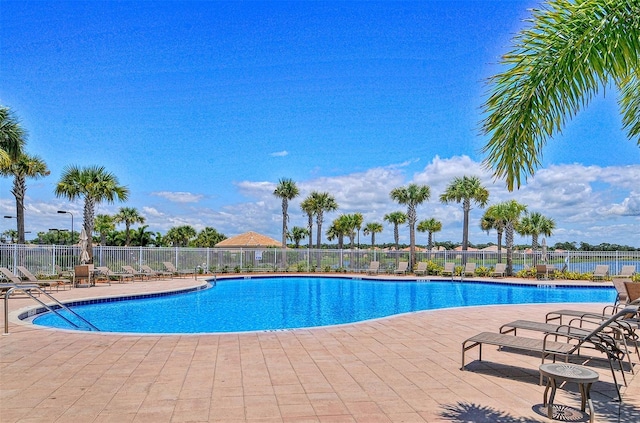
<point>178,197</point>
<point>282,153</point>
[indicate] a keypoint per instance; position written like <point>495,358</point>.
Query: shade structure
<point>249,240</point>
<point>83,243</point>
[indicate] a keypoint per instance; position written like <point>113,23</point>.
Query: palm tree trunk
<point>465,224</point>
<point>509,236</point>
<point>88,212</point>
<point>500,246</point>
<point>19,188</point>
<point>310,226</point>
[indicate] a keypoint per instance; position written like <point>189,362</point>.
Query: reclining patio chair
<point>469,269</point>
<point>31,278</point>
<point>500,270</point>
<point>403,267</point>
<point>600,273</point>
<point>134,272</point>
<point>111,275</point>
<point>169,267</point>
<point>597,339</point>
<point>374,267</point>
<point>449,269</point>
<point>421,269</point>
<point>160,274</point>
<point>626,273</point>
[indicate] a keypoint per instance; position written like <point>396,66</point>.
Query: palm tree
<point>309,208</point>
<point>396,218</point>
<point>535,224</point>
<point>412,196</point>
<point>23,167</point>
<point>508,213</point>
<point>492,219</point>
<point>465,190</point>
<point>286,190</point>
<point>12,137</point>
<point>142,237</point>
<point>208,237</point>
<point>103,224</point>
<point>128,216</point>
<point>297,234</point>
<point>323,202</point>
<point>431,226</point>
<point>572,50</point>
<point>180,236</point>
<point>337,230</point>
<point>95,184</point>
<point>352,223</point>
<point>372,228</point>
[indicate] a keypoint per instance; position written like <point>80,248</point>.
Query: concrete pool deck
<point>398,369</point>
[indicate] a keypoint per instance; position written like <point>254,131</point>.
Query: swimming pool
<point>274,303</point>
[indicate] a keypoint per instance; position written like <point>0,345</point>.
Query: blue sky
<point>200,107</point>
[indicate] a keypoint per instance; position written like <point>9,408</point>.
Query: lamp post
<point>57,233</point>
<point>68,212</point>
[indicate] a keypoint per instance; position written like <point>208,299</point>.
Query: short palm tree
<point>338,230</point>
<point>465,190</point>
<point>208,237</point>
<point>412,196</point>
<point>12,137</point>
<point>309,208</point>
<point>180,236</point>
<point>286,190</point>
<point>535,224</point>
<point>128,216</point>
<point>372,228</point>
<point>572,50</point>
<point>396,218</point>
<point>103,224</point>
<point>23,167</point>
<point>430,226</point>
<point>95,185</point>
<point>323,202</point>
<point>141,236</point>
<point>509,213</point>
<point>493,219</point>
<point>297,234</point>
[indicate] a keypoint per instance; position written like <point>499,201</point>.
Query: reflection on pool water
<point>271,303</point>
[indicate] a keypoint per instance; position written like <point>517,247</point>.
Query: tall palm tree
<point>465,190</point>
<point>12,137</point>
<point>309,208</point>
<point>372,228</point>
<point>430,226</point>
<point>338,230</point>
<point>396,218</point>
<point>352,224</point>
<point>297,234</point>
<point>103,224</point>
<point>323,202</point>
<point>412,196</point>
<point>572,50</point>
<point>509,213</point>
<point>286,190</point>
<point>23,167</point>
<point>95,185</point>
<point>535,224</point>
<point>128,216</point>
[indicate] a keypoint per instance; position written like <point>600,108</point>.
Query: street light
<point>68,212</point>
<point>58,233</point>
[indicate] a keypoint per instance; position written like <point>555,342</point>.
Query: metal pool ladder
<point>10,288</point>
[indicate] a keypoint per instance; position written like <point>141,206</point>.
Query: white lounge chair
<point>500,270</point>
<point>403,266</point>
<point>449,269</point>
<point>600,273</point>
<point>374,268</point>
<point>421,269</point>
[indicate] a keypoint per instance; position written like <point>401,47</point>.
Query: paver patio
<point>398,369</point>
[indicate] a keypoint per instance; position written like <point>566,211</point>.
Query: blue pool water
<point>237,305</point>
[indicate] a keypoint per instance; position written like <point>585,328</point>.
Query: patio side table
<point>557,373</point>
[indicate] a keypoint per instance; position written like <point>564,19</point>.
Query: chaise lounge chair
<point>402,269</point>
<point>596,339</point>
<point>169,267</point>
<point>626,273</point>
<point>500,270</point>
<point>600,273</point>
<point>374,267</point>
<point>111,275</point>
<point>469,269</point>
<point>31,278</point>
<point>154,273</point>
<point>134,272</point>
<point>449,269</point>
<point>421,269</point>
